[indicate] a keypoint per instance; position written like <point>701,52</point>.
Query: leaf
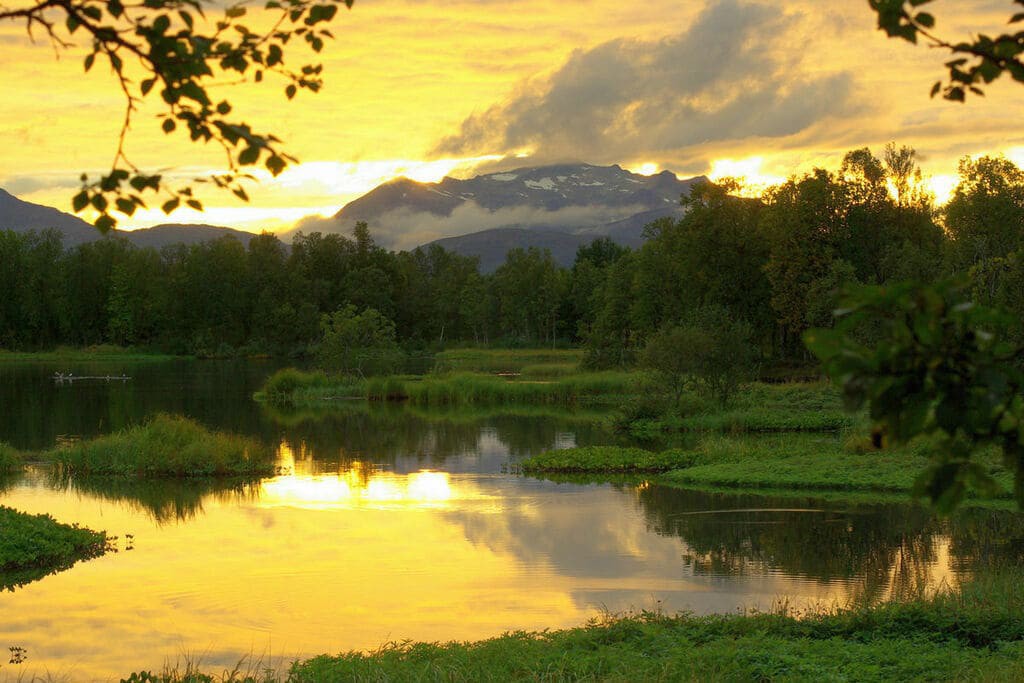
<point>170,205</point>
<point>80,201</point>
<point>168,125</point>
<point>248,156</point>
<point>105,223</point>
<point>290,91</point>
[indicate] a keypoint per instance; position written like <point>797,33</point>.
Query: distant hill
<point>21,216</point>
<point>181,233</point>
<point>491,246</point>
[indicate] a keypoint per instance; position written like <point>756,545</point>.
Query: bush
<point>287,381</point>
<point>358,343</point>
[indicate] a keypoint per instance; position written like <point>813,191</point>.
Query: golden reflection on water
<point>328,558</point>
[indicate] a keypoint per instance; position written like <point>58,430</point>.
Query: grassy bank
<point>539,361</point>
<point>297,387</point>
<point>166,446</point>
<point>975,633</point>
<point>797,406</point>
<point>37,544</point>
<point>104,352</point>
<point>767,461</point>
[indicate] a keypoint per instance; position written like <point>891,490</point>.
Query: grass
<point>504,360</point>
<point>975,633</point>
<point>798,406</point>
<point>479,389</point>
<point>613,459</point>
<point>825,462</point>
<point>166,446</point>
<point>32,546</point>
<point>11,459</point>
<point>101,352</point>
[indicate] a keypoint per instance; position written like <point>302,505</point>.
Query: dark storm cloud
<point>733,74</point>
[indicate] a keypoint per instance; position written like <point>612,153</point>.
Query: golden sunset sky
<point>719,87</point>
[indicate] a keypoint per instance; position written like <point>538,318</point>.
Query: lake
<point>389,524</point>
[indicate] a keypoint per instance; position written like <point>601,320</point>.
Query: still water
<point>392,524</point>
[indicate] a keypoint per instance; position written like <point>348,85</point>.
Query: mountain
<point>178,233</point>
<point>22,216</point>
<point>488,215</point>
<point>491,246</point>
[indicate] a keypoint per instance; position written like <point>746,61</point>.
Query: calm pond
<point>392,524</point>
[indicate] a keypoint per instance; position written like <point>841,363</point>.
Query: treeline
<point>776,264</point>
<point>772,264</point>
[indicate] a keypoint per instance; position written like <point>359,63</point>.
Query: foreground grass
<point>974,633</point>
<point>103,352</point>
<point>766,461</point>
<point>166,446</point>
<point>35,545</point>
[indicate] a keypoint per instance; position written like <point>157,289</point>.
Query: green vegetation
<point>166,446</point>
<point>504,360</point>
<point>942,368</point>
<point>32,546</point>
<point>818,462</point>
<point>100,352</point>
<point>11,459</point>
<point>477,389</point>
<point>974,633</point>
<point>611,459</point>
<point>806,406</point>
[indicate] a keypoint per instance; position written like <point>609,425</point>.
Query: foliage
<point>977,61</point>
<point>941,369</point>
<point>182,55</point>
<point>985,216</point>
<point>358,343</point>
<point>38,541</point>
<point>711,351</point>
<point>166,446</point>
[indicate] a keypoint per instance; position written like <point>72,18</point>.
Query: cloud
<point>732,75</point>
<point>403,229</point>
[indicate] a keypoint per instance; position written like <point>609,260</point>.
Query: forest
<point>770,267</point>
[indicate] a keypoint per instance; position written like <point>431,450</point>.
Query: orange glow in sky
<point>713,87</point>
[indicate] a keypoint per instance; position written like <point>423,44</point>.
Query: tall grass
<point>11,459</point>
<point>166,446</point>
<point>503,360</point>
<point>476,389</point>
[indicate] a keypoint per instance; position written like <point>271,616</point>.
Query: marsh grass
<point>11,459</point>
<point>32,546</point>
<point>100,352</point>
<point>614,459</point>
<point>479,389</point>
<point>503,360</point>
<point>819,462</point>
<point>165,446</point>
<point>758,407</point>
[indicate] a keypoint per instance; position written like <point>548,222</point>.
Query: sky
<point>718,87</point>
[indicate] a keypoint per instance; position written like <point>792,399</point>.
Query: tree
<point>976,62</point>
<point>170,49</point>
<point>985,216</point>
<point>355,342</point>
<point>711,352</point>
